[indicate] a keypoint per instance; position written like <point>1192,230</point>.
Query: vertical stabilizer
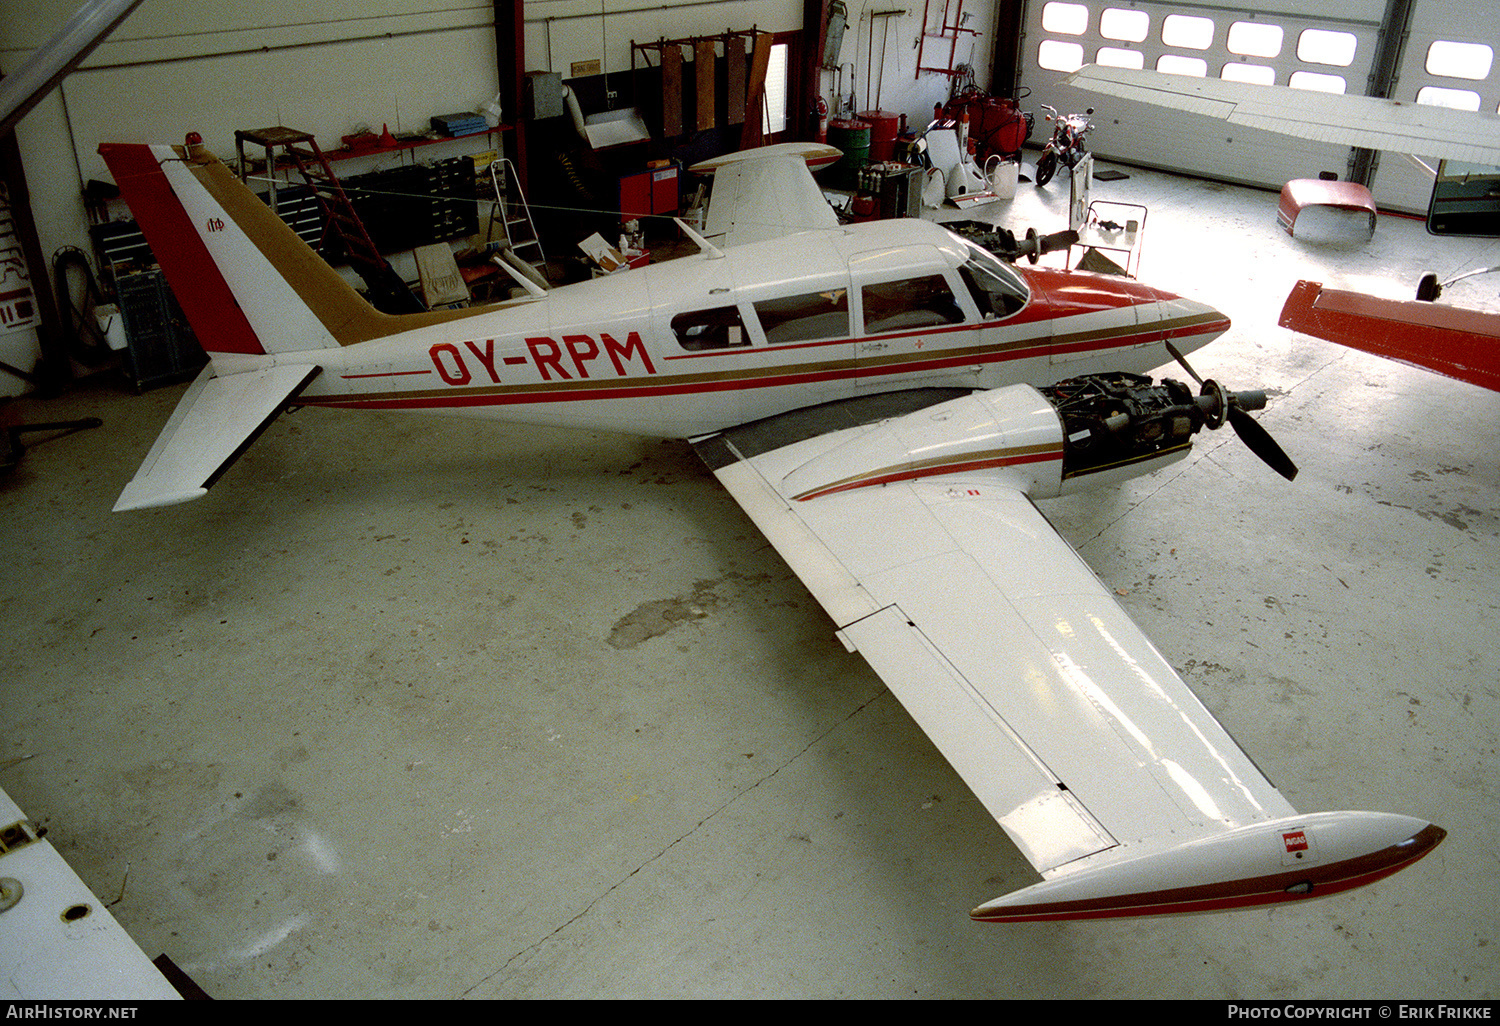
<point>248,284</point>
<point>200,288</point>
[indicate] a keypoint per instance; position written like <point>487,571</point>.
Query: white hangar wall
<point>187,65</point>
<point>176,66</point>
<point>329,67</point>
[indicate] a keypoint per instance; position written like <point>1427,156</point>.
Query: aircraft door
<point>904,321</point>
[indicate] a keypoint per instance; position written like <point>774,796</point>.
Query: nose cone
<point>1187,323</point>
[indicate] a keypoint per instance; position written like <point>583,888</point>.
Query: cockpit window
<point>998,289</point>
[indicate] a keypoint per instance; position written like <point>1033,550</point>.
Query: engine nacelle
<point>1118,426</point>
<point>1011,433</point>
<point>1088,431</point>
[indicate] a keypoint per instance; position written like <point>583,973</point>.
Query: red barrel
<point>884,127</point>
<point>1002,126</point>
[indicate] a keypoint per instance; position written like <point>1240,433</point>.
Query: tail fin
<point>248,284</point>
<point>251,288</point>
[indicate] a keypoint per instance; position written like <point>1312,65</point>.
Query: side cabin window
<point>718,328</point>
<point>909,303</point>
<point>806,318</point>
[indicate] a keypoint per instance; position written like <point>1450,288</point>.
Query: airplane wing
<point>58,941</point>
<point>1459,343</point>
<point>1363,121</point>
<point>764,196</point>
<point>1090,751</point>
<point>215,421</point>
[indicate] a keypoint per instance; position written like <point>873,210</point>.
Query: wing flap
<point>215,421</point>
<point>1036,811</point>
<point>830,582</point>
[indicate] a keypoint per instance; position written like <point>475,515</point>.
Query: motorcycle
<point>1068,143</point>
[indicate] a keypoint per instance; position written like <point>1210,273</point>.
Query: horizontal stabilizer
<point>755,200</point>
<point>216,420</point>
<point>1263,864</point>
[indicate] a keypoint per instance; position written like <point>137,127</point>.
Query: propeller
<point>1219,405</point>
<point>1036,245</point>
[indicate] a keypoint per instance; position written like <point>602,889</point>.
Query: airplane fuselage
<point>696,344</point>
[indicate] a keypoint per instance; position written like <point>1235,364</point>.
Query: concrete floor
<point>429,708</point>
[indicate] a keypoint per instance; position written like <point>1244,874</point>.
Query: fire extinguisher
<point>821,109</point>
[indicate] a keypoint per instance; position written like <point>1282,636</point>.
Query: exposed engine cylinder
<point>1114,421</point>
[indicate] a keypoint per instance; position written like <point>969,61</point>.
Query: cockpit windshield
<point>998,289</point>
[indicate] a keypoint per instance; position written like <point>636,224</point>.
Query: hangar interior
<point>440,708</point>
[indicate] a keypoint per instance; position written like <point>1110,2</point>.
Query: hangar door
<point>1327,45</point>
<point>1449,59</point>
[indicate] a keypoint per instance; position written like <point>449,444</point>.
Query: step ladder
<point>389,293</point>
<point>512,213</point>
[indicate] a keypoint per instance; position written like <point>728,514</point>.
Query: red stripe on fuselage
<point>200,289</point>
<point>386,374</point>
<point>646,386</point>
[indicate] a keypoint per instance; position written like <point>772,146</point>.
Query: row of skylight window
<point>1247,39</point>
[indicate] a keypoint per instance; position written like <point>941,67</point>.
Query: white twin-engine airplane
<point>884,400</point>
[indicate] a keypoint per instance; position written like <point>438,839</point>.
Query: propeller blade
<point>1217,406</point>
<point>1260,442</point>
<point>1058,240</point>
<point>1182,360</point>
